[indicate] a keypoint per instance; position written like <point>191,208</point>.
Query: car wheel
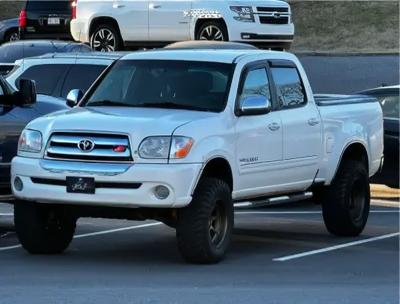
<point>106,38</point>
<point>212,30</point>
<point>204,228</point>
<point>346,202</point>
<point>42,229</point>
<point>11,36</point>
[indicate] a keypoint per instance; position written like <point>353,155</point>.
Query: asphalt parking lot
<point>279,255</point>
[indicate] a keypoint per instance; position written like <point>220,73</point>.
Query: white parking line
<point>332,248</point>
<point>96,233</point>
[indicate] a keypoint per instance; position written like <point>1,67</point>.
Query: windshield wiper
<point>107,102</point>
<point>170,105</point>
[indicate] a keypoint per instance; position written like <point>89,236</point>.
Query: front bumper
<point>180,179</point>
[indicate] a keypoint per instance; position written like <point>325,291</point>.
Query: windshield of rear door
<point>191,85</point>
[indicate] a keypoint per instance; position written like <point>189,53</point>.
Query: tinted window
<point>48,6</point>
<point>81,76</point>
<point>289,87</point>
<point>46,77</point>
<point>256,84</point>
<point>192,85</point>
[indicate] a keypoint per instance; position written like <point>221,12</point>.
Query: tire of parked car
<point>106,38</point>
<point>212,30</point>
<point>11,35</point>
<point>346,202</point>
<point>42,229</point>
<point>204,228</point>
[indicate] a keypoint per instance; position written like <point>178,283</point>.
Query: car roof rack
<point>209,45</point>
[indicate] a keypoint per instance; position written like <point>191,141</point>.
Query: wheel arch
<point>218,167</point>
<point>96,21</point>
<point>200,21</point>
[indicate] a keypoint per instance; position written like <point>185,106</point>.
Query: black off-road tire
<point>118,46</point>
<point>42,229</point>
<point>194,235</point>
<point>213,24</point>
<point>346,202</point>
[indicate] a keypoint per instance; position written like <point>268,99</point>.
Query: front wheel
<point>212,30</point>
<point>42,229</point>
<point>346,202</point>
<point>204,228</point>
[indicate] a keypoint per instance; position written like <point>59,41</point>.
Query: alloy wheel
<point>211,32</point>
<point>217,225</point>
<point>104,40</point>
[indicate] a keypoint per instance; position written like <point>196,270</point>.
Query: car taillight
<point>22,19</point>
<point>73,5</point>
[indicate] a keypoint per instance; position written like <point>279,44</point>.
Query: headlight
<point>164,147</point>
<point>30,141</point>
<point>244,13</point>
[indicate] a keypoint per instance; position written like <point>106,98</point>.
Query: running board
<point>273,200</point>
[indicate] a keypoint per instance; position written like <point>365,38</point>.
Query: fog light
<point>161,192</point>
<point>18,184</point>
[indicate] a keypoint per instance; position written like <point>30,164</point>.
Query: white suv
<point>110,25</point>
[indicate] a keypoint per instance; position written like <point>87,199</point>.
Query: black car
<point>45,20</point>
<point>389,98</point>
<point>17,109</point>
<point>10,52</point>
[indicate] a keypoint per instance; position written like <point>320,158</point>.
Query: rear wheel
<point>106,38</point>
<point>42,229</point>
<point>204,228</point>
<point>11,36</point>
<point>212,30</point>
<point>346,202</point>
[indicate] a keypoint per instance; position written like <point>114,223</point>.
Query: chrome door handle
<point>313,121</point>
<point>116,5</point>
<point>154,6</point>
<point>274,126</point>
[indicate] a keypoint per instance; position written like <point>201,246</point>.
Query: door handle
<point>154,6</point>
<point>117,5</point>
<point>274,126</point>
<point>313,121</point>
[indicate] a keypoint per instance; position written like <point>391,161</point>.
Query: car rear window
<point>48,6</point>
<point>81,76</point>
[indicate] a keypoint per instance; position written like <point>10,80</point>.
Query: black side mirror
<point>27,92</point>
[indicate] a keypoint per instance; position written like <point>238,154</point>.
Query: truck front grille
<point>273,15</point>
<point>89,147</point>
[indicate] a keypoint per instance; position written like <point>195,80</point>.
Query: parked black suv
<point>45,20</point>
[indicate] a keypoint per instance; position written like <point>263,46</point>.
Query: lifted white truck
<point>179,135</point>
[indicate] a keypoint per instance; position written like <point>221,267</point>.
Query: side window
<point>81,76</point>
<point>289,87</point>
<point>46,77</point>
<point>256,84</point>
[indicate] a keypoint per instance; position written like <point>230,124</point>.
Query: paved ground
<point>141,264</point>
<point>349,74</point>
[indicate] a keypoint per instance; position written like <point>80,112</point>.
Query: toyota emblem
<point>86,145</point>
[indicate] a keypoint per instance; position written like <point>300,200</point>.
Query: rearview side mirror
<point>255,105</point>
<point>73,97</point>
<point>27,92</point>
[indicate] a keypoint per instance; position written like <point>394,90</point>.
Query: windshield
<point>390,106</point>
<point>191,85</point>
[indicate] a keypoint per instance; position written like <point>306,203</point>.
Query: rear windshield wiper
<point>110,103</point>
<point>170,105</point>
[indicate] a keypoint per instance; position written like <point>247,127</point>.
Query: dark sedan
<point>390,102</point>
<point>9,30</point>
<point>9,52</point>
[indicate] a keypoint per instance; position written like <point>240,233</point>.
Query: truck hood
<point>139,123</point>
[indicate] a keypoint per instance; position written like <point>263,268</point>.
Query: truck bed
<point>335,99</point>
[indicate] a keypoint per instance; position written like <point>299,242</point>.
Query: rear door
<point>48,17</point>
<point>301,126</point>
<point>133,19</point>
<point>168,20</point>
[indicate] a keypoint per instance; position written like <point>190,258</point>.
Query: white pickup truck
<point>180,135</point>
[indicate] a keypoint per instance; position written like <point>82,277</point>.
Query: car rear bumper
<point>61,36</point>
<point>180,179</point>
<point>79,31</point>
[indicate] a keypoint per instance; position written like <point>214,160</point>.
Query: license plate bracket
<point>85,185</point>
<point>53,21</point>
